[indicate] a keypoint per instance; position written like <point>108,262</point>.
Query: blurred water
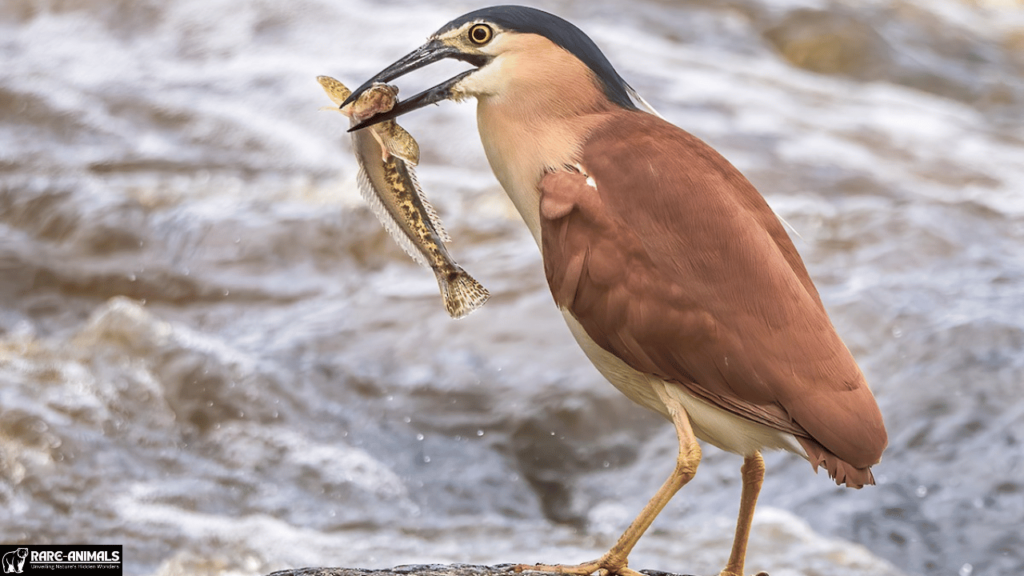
<point>211,353</point>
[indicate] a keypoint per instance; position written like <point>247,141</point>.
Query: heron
<point>672,272</point>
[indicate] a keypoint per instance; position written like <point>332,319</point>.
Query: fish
<point>386,154</point>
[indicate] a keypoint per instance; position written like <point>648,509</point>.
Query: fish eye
<point>480,34</point>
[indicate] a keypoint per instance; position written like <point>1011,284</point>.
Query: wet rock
<point>570,438</point>
<point>895,43</point>
<point>831,42</point>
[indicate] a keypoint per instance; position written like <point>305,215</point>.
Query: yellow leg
<point>753,477</point>
<point>615,560</point>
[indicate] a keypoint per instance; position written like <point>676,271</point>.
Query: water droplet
<point>407,420</point>
<point>131,277</point>
<point>966,570</point>
<point>479,432</point>
<point>922,491</point>
<point>226,292</point>
<point>605,464</point>
<point>897,332</point>
<point>552,432</point>
<point>419,437</point>
<point>426,459</point>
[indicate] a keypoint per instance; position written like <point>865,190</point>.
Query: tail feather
<point>461,292</point>
<point>839,470</point>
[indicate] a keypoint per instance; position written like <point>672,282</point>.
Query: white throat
<point>534,113</point>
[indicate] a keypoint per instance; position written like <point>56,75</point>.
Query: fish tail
<point>461,292</point>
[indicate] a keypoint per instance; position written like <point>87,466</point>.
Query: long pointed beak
<point>442,91</point>
<point>427,54</point>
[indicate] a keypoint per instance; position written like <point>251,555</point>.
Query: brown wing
<point>671,260</point>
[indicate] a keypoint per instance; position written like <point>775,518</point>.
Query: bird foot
<point>604,566</point>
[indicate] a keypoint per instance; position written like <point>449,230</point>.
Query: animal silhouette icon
<point>14,561</point>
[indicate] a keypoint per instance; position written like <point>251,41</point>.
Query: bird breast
<point>522,145</point>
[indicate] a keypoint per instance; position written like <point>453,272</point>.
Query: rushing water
<point>212,354</point>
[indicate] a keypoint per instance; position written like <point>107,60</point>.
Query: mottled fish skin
<point>386,154</point>
<point>380,98</point>
<point>335,90</point>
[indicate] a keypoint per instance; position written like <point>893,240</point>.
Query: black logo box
<point>67,559</point>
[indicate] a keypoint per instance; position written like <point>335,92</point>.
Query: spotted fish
<point>386,154</point>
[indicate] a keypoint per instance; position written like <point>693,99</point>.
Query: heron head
<point>505,45</point>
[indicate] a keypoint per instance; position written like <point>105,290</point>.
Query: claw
<point>604,566</point>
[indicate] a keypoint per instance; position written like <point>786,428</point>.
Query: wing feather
<point>672,260</point>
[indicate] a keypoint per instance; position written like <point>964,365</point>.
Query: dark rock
<point>428,570</point>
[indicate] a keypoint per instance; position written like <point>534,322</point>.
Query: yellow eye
<point>480,34</point>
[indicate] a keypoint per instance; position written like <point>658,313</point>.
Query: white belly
<point>712,424</point>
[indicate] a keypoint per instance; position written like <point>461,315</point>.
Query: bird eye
<point>480,34</point>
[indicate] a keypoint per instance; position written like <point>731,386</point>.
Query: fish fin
<point>401,144</point>
<point>335,90</point>
<point>384,152</point>
<point>435,220</point>
<point>386,219</point>
<point>461,292</point>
